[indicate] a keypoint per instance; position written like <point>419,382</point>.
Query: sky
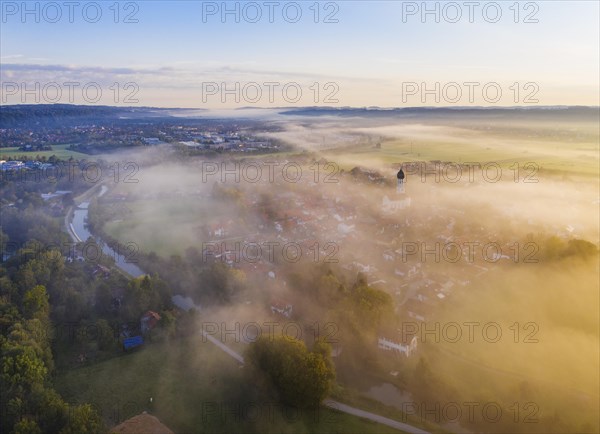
<point>278,53</point>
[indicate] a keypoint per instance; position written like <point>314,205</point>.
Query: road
<point>374,417</point>
<point>330,403</point>
<point>224,347</point>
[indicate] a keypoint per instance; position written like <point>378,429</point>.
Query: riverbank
<point>75,225</point>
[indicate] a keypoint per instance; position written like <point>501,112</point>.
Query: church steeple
<point>400,176</point>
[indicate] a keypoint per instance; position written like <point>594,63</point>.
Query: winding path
<point>330,403</point>
<point>372,416</point>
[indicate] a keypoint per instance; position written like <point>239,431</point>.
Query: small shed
<point>149,321</point>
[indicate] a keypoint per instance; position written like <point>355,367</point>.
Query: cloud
<point>36,67</point>
<point>189,75</point>
<point>12,56</point>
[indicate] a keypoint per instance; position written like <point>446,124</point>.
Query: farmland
<point>60,151</point>
<point>194,387</point>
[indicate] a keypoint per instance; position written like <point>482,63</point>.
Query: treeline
<point>553,248</point>
<point>344,310</point>
<point>61,308</point>
<point>53,115</point>
<point>28,402</point>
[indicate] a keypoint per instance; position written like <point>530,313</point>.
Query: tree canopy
<point>300,377</point>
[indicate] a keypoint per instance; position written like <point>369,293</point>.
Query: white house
<point>407,348</point>
<point>281,307</point>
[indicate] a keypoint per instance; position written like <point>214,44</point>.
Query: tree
<point>168,323</point>
<point>581,249</point>
<point>301,378</point>
<point>140,297</point>
<point>8,312</point>
<point>75,306</point>
<point>35,303</point>
<point>4,239</point>
<point>83,420</point>
<point>427,386</point>
<point>104,298</point>
<point>193,256</point>
<point>26,426</point>
<point>372,306</point>
<point>48,406</point>
<point>67,199</point>
<point>330,289</point>
<point>106,336</point>
<point>221,283</point>
<point>23,368</point>
<point>324,349</point>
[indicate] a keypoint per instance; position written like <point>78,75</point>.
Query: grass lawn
<point>195,388</point>
<point>168,226</point>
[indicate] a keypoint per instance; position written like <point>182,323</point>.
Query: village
<point>406,247</point>
<point>96,136</point>
<point>420,261</point>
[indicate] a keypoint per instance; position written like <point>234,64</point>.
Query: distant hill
<point>51,115</point>
<point>498,112</point>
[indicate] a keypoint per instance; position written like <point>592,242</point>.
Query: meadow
<point>60,151</point>
<point>195,387</point>
<point>566,149</point>
<point>167,226</point>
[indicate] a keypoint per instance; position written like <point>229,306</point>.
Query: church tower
<point>400,185</point>
<point>401,201</point>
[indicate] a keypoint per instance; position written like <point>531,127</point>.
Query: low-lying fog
<point>173,201</point>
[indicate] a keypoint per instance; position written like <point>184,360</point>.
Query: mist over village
<point>334,217</point>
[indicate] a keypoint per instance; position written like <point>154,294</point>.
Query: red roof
<point>141,424</point>
<point>153,314</point>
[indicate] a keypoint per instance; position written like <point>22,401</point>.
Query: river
<point>79,231</point>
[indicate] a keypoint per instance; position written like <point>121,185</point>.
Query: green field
<point>549,154</point>
<point>60,151</point>
<point>167,226</point>
<point>192,385</point>
<point>555,144</point>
